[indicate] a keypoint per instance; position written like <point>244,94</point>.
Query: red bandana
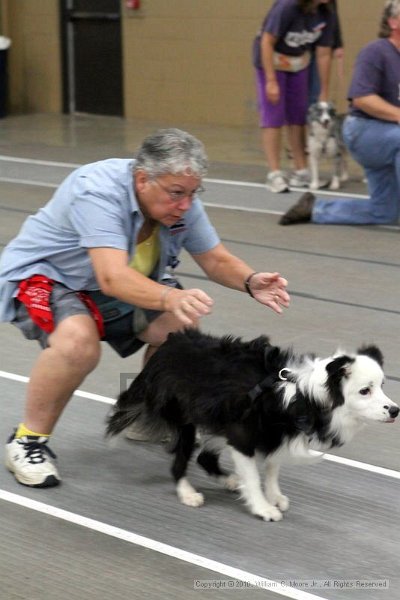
<point>35,294</point>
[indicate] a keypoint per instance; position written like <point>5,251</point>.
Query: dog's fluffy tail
<point>126,411</point>
<point>131,408</point>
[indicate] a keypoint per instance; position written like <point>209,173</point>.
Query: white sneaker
<point>300,178</point>
<point>27,458</point>
<point>276,182</point>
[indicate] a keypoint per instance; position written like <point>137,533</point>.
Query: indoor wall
<point>183,60</point>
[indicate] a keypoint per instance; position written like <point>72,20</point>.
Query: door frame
<point>68,59</point>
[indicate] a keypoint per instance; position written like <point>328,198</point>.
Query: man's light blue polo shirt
<point>94,207</point>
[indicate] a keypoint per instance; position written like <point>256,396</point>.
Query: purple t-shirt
<point>376,71</point>
<point>297,31</point>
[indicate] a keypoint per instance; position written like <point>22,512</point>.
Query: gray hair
<point>391,9</point>
<point>171,151</point>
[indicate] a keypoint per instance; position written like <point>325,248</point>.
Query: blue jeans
<point>375,145</point>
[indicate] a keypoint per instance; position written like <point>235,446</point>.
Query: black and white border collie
<point>259,399</point>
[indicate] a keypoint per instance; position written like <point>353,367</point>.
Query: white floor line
<point>329,457</point>
<point>335,194</point>
<point>79,393</point>
<point>35,161</point>
<point>14,377</point>
<point>206,180</point>
<point>364,466</point>
<point>243,208</point>
<point>49,163</point>
<point>212,204</point>
<point>247,184</point>
<point>150,544</point>
<point>29,182</point>
<point>255,210</point>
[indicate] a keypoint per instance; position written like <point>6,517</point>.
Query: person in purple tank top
<point>372,134</point>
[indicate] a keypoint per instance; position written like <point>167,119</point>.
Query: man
<point>372,134</point>
<point>96,263</point>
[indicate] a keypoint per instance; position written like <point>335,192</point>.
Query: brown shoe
<point>300,212</point>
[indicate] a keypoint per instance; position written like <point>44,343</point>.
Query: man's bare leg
<point>73,352</point>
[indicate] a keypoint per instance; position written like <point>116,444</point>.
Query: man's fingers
<point>201,297</point>
<point>184,319</point>
<point>283,298</point>
<point>189,305</point>
<point>198,302</point>
<point>275,305</point>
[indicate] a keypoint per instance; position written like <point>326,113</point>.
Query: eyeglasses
<point>177,195</point>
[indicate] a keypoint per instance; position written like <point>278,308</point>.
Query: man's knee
<point>77,339</point>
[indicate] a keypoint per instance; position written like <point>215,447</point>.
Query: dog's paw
<point>272,514</point>
<point>268,513</point>
<point>188,495</point>
<point>334,184</point>
<point>193,499</point>
<point>231,482</point>
<point>281,501</point>
<point>314,185</point>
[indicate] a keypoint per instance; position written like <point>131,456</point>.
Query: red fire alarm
<point>132,4</point>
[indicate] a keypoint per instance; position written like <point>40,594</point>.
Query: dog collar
<point>265,384</point>
<point>303,421</point>
<point>269,381</point>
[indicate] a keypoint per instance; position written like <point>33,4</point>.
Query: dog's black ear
<point>271,353</point>
<point>337,365</point>
<point>272,358</point>
<point>373,352</point>
<point>336,370</point>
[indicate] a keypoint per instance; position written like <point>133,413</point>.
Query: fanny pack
<point>114,318</point>
<point>291,64</point>
<point>118,316</point>
<point>282,62</point>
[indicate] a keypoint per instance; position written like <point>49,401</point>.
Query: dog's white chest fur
<point>322,141</point>
<point>325,140</point>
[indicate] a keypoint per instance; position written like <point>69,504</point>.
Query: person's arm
<point>272,90</point>
<point>337,32</point>
<point>338,50</point>
<point>226,269</point>
<point>116,278</point>
<point>324,61</point>
<point>377,107</point>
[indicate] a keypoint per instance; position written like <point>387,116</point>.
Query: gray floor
<point>343,524</point>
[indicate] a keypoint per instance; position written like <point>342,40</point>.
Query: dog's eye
<point>364,391</point>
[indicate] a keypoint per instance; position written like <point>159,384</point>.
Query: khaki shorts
<point>122,322</point>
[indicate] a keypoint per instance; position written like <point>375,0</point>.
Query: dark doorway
<point>92,56</point>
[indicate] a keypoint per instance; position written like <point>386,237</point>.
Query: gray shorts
<point>122,322</point>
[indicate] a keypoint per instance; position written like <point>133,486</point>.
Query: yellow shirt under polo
<point>147,254</point>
